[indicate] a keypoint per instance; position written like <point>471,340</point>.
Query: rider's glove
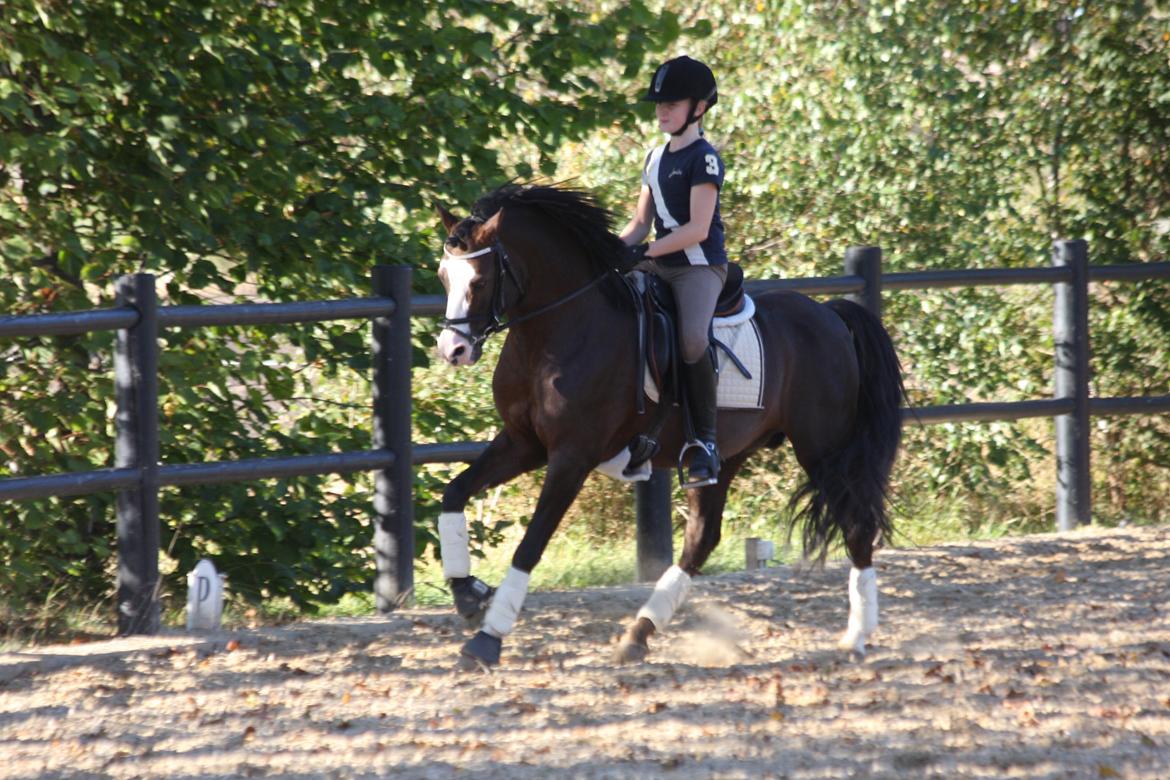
<point>633,255</point>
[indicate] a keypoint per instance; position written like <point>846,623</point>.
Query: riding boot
<point>703,468</point>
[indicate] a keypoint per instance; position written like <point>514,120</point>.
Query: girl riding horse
<point>680,198</point>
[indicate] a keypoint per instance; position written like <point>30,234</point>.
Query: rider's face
<point>672,115</point>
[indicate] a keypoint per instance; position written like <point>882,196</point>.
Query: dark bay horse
<point>537,261</point>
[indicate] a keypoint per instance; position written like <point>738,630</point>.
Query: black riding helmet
<point>680,79</point>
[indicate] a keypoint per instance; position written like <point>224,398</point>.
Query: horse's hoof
<point>472,597</point>
<point>480,653</point>
<point>630,653</point>
<point>855,644</point>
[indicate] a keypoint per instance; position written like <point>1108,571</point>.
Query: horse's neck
<point>588,325</point>
<point>546,288</point>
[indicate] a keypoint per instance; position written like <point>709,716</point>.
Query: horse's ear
<point>491,226</point>
<point>449,219</point>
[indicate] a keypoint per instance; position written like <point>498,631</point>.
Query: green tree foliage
<point>244,151</point>
<point>956,133</point>
<point>276,150</point>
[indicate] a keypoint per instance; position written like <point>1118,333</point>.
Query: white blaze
<point>459,275</point>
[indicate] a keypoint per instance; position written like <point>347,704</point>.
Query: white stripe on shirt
<point>694,252</point>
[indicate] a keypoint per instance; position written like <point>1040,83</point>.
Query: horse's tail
<point>846,491</point>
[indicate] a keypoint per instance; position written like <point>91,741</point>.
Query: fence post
<point>866,262</point>
<point>136,446</point>
<point>393,487</point>
<point>1071,341</point>
<point>655,541</point>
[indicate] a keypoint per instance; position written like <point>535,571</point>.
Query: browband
<point>448,256</point>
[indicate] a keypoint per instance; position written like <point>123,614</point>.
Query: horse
<point>538,262</point>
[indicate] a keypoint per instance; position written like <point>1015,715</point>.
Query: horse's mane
<point>576,212</point>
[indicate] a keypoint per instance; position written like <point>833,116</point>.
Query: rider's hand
<point>634,255</point>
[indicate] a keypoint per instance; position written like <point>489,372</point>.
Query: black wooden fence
<point>137,475</point>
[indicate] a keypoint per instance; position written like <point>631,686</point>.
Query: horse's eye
<point>478,285</point>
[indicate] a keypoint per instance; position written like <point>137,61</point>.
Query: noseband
<point>505,270</point>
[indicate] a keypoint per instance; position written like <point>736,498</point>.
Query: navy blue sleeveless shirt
<point>670,176</point>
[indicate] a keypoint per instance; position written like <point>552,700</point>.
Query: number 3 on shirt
<point>712,164</point>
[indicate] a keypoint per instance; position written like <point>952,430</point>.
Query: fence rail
<point>138,475</point>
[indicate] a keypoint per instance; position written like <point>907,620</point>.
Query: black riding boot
<point>703,468</point>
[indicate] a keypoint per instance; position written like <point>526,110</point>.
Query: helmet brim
<point>651,97</point>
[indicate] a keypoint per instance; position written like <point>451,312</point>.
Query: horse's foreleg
<point>504,459</point>
<point>562,483</point>
<point>702,535</point>
<point>863,596</point>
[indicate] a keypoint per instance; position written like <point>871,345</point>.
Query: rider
<point>680,198</point>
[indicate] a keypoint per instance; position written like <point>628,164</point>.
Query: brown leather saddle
<point>657,331</point>
<point>658,347</point>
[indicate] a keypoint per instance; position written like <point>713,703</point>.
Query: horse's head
<point>488,274</point>
<point>477,274</point>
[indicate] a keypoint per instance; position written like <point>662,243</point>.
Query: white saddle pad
<point>740,334</point>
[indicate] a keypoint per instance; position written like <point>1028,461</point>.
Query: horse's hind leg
<point>863,596</point>
<point>702,535</point>
<point>842,496</point>
<point>505,458</point>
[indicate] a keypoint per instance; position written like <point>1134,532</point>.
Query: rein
<point>504,270</point>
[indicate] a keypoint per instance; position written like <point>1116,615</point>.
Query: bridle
<point>505,270</point>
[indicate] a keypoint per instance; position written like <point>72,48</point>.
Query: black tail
<point>846,492</point>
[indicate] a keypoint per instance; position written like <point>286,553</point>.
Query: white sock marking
<point>453,545</point>
<point>505,607</point>
<point>670,592</point>
<point>863,609</point>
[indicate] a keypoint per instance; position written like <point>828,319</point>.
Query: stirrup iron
<point>684,479</point>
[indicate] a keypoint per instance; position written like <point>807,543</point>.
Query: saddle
<point>658,347</point>
<point>658,334</point>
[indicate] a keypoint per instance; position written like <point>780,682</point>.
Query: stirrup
<point>685,481</point>
<point>642,449</point>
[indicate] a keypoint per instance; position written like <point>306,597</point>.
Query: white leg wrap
<point>453,546</point>
<point>670,592</point>
<point>863,609</point>
<point>615,468</point>
<point>505,607</point>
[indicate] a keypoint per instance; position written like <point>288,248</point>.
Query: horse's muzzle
<point>456,348</point>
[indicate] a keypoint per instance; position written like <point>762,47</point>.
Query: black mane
<point>576,212</point>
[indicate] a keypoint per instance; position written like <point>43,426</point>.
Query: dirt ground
<point>1038,657</point>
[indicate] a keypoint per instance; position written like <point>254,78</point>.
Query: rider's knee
<point>693,346</point>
